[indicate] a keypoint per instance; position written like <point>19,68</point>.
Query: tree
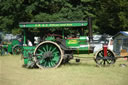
<point>109,16</point>
<point>112,16</point>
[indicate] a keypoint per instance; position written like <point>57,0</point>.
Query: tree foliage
<point>109,16</point>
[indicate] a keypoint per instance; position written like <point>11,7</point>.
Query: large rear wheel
<point>48,54</point>
<point>16,50</point>
<point>2,51</point>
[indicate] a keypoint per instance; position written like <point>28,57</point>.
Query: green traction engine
<point>55,47</point>
<point>13,47</point>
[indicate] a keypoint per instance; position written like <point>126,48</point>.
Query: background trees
<point>109,16</point>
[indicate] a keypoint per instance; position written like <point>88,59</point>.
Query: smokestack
<point>90,29</point>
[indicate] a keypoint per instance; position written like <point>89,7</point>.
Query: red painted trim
<point>72,38</point>
<point>105,47</point>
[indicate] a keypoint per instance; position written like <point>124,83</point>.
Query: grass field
<point>83,73</point>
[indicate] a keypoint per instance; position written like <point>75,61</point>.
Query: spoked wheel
<point>16,50</point>
<point>104,61</point>
<point>2,51</point>
<point>48,54</point>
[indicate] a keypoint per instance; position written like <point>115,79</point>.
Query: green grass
<point>83,73</point>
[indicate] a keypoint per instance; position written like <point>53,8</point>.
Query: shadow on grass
<point>80,64</point>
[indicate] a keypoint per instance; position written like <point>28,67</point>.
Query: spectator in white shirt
<point>29,43</point>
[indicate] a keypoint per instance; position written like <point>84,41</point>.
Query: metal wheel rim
<point>2,51</point>
<point>105,62</point>
<point>16,50</point>
<point>40,62</point>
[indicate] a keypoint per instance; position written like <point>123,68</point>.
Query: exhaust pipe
<point>90,29</point>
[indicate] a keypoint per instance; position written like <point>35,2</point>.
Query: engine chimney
<point>90,29</point>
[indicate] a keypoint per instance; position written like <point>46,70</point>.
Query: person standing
<point>29,43</point>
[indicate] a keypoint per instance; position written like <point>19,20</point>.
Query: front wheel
<point>48,54</point>
<point>102,60</point>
